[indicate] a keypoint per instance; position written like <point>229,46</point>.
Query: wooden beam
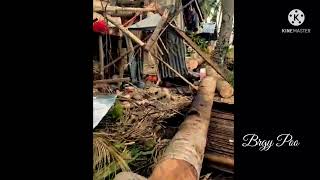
<point>125,30</point>
<point>122,62</point>
<point>111,80</point>
<point>176,72</point>
<point>177,12</point>
<point>164,46</point>
<point>200,12</point>
<point>101,6</point>
<point>155,35</point>
<point>205,56</point>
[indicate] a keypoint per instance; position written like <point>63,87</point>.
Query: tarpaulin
<point>101,106</point>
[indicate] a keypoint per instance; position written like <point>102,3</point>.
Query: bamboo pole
<point>182,160</point>
<point>164,46</point>
<point>126,31</point>
<point>177,12</point>
<point>197,6</point>
<point>122,62</point>
<point>101,56</point>
<point>101,6</point>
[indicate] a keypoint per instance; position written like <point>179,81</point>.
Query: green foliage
<point>119,145</point>
<point>149,144</point>
<point>201,42</point>
<point>117,111</point>
<point>230,53</point>
<point>107,159</point>
<point>207,6</point>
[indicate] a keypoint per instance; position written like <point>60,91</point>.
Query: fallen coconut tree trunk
<point>224,74</point>
<point>184,155</point>
<point>223,87</point>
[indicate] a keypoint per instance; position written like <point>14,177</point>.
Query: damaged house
<point>140,57</point>
<point>138,65</point>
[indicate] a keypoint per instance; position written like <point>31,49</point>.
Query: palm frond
<point>106,158</point>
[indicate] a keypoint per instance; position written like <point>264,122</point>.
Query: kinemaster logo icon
<point>296,17</point>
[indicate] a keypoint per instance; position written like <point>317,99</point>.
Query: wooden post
<point>121,57</point>
<point>126,31</point>
<point>182,159</point>
<point>124,54</point>
<point>121,64</point>
<point>101,57</point>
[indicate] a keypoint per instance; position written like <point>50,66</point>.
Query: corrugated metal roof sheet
<point>176,56</point>
<point>149,22</point>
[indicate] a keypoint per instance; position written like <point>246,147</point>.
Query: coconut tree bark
<point>184,155</point>
<point>225,31</point>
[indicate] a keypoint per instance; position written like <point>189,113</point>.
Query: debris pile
<point>135,130</point>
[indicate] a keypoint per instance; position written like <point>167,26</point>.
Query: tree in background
<point>210,9</point>
<point>225,31</point>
